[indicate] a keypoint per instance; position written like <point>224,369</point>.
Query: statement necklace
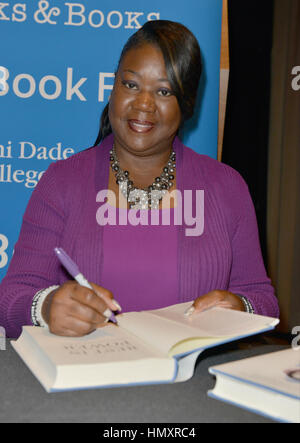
<point>150,196</point>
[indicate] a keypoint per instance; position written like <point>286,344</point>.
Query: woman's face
<point>144,114</point>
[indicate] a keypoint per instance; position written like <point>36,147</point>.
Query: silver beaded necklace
<point>150,196</point>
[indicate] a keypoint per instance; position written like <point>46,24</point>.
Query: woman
<point>142,266</point>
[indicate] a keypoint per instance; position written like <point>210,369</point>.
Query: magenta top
<point>62,212</point>
<point>137,279</point>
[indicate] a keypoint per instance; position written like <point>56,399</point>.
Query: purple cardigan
<point>62,211</point>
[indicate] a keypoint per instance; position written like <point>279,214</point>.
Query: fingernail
<point>189,311</point>
<point>117,305</point>
<point>110,316</point>
<point>107,313</point>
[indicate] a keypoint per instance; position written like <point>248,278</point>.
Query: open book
<point>147,347</point>
<point>267,384</point>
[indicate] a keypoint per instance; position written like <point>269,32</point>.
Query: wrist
<point>247,304</point>
<point>47,304</point>
<point>39,310</point>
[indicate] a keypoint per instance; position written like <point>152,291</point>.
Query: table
<point>24,400</point>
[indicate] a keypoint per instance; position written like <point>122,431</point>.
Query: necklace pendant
<point>155,196</point>
<point>139,197</point>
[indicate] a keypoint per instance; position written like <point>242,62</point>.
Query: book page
<point>216,322</point>
<point>163,328</point>
<point>160,333</point>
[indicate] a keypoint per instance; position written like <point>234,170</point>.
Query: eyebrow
<point>139,75</point>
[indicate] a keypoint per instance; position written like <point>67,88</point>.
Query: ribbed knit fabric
<point>62,212</point>
<point>140,262</point>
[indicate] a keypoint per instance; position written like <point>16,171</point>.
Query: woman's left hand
<point>221,299</point>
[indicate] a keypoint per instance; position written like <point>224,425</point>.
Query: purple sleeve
<point>33,265</point>
<point>248,274</point>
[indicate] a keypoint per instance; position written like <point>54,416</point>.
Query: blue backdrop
<point>57,61</point>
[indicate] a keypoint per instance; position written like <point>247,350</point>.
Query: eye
<point>164,92</point>
<point>129,84</point>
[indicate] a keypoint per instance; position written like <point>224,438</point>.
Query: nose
<point>145,101</point>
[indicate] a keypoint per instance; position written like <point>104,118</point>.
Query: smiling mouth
<point>140,126</point>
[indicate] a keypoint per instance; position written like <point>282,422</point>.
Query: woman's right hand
<point>73,310</point>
